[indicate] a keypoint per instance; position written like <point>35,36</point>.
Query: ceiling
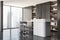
<point>24,3</point>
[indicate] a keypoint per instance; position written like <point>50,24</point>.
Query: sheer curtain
<point>16,16</point>
<point>11,19</point>
<point>6,14</point>
<point>11,16</point>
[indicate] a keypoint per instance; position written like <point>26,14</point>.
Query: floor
<point>52,37</point>
<point>15,36</point>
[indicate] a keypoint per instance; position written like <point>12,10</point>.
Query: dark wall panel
<point>43,11</point>
<point>48,12</point>
<point>1,20</point>
<point>58,21</point>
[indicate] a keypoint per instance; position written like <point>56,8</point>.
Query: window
<point>16,16</point>
<point>11,17</point>
<point>6,16</point>
<point>15,34</point>
<point>11,20</point>
<point>6,34</point>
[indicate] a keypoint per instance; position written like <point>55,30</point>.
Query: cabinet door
<point>38,11</point>
<point>46,11</point>
<point>43,11</point>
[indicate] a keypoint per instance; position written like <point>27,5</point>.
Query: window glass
<point>16,16</point>
<point>6,34</point>
<point>6,16</point>
<point>15,34</point>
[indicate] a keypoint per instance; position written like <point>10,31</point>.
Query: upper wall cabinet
<point>46,11</point>
<point>43,11</point>
<point>38,11</point>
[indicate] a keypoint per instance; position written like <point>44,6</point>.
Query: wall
<point>27,14</point>
<point>1,15</point>
<point>58,21</point>
<point>1,19</point>
<point>23,3</point>
<point>43,11</point>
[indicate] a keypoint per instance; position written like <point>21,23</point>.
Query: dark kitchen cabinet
<point>44,5</point>
<point>38,11</point>
<point>43,11</point>
<point>46,11</point>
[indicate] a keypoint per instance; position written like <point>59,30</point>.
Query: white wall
<point>27,15</point>
<point>24,3</point>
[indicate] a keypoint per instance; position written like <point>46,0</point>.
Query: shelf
<point>54,26</point>
<point>53,20</point>
<point>54,2</point>
<point>52,11</point>
<point>55,15</point>
<point>54,5</point>
<point>55,30</point>
<point>33,12</point>
<point>54,23</point>
<point>34,8</point>
<point>34,16</point>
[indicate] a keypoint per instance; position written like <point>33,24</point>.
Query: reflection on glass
<point>15,34</point>
<point>6,34</point>
<point>16,16</point>
<point>6,10</point>
<point>11,19</point>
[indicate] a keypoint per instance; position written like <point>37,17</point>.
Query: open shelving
<point>53,16</point>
